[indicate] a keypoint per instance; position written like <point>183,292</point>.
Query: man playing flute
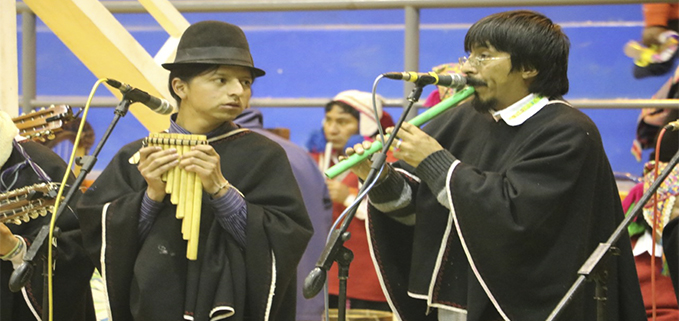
<point>496,204</point>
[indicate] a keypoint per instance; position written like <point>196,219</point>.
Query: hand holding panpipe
<point>418,120</point>
<point>185,188</point>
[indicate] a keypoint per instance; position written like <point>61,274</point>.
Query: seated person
<point>656,53</point>
<point>641,234</point>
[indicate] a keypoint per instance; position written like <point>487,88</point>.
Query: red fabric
<point>386,121</point>
<point>666,301</point>
<point>363,283</point>
<point>433,99</point>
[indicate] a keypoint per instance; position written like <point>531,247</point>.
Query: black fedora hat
<point>215,43</point>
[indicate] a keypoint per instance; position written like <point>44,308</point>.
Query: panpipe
<point>185,188</point>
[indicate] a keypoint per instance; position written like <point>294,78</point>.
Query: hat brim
<point>255,71</point>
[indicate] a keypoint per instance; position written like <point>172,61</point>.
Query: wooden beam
<point>9,79</point>
<point>107,49</point>
<point>172,21</point>
<point>167,16</point>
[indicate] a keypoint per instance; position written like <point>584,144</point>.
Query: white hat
<point>362,102</point>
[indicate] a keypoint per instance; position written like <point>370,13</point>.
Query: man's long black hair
<point>533,41</point>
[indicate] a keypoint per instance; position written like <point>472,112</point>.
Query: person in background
<point>254,227</point>
<point>649,126</point>
<point>654,277</point>
<point>316,199</point>
<point>25,164</point>
<point>658,18</point>
<point>494,206</point>
<point>349,119</point>
<point>652,120</point>
<point>656,53</point>
<point>661,22</point>
<point>441,92</point>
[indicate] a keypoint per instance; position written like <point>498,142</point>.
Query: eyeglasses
<point>477,61</point>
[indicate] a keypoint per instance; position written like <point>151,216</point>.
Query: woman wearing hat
<point>254,227</point>
<point>349,119</point>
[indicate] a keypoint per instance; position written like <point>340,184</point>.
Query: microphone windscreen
<point>314,282</point>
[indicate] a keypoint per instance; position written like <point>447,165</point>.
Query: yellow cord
<point>58,201</point>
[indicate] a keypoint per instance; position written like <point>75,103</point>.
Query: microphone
<point>431,78</point>
<point>156,104</point>
<point>314,282</point>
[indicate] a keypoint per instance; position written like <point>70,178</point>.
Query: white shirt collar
<point>520,111</point>
<point>645,244</point>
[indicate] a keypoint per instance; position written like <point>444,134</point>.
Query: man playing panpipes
<point>253,224</point>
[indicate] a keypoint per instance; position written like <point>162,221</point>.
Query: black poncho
<point>153,279</point>
<point>529,205</point>
<point>72,268</point>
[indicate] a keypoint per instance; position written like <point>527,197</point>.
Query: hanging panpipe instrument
<point>185,188</point>
<point>23,204</point>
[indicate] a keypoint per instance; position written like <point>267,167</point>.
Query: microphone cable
<point>57,203</point>
<point>340,218</point>
<point>380,130</point>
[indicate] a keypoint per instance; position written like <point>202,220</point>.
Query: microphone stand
<point>593,269</point>
<point>23,273</point>
<point>334,249</point>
